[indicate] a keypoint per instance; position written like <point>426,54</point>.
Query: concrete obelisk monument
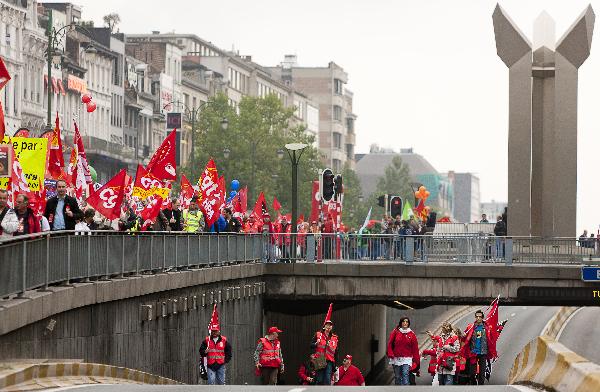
<point>542,122</point>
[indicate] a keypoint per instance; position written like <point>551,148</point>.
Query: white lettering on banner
<point>109,196</point>
<point>150,183</point>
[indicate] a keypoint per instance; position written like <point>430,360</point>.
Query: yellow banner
<point>144,193</point>
<point>32,156</point>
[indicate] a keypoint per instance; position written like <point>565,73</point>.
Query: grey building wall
<point>462,197</point>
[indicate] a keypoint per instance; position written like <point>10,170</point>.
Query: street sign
<point>590,274</point>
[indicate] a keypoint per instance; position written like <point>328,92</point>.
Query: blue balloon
<point>232,194</point>
<point>235,185</point>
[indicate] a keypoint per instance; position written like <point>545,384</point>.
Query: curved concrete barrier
<point>547,363</point>
<point>19,376</point>
<point>557,322</point>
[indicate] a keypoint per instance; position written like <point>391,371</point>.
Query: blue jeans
<point>446,379</point>
<point>401,374</point>
<point>323,376</point>
<point>216,377</point>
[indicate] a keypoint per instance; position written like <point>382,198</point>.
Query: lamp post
<point>54,56</point>
<point>295,151</point>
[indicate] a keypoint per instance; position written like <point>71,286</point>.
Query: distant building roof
<point>369,167</point>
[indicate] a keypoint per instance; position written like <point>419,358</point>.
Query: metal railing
<point>39,260</point>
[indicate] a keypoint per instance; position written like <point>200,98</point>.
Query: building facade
<point>466,197</point>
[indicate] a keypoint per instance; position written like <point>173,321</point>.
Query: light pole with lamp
<point>193,115</point>
<point>53,54</point>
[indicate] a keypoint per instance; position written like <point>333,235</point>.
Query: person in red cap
<point>216,349</point>
<point>268,358</point>
<point>349,375</point>
<point>325,344</point>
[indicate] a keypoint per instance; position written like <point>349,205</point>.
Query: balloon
<point>422,188</point>
<point>235,185</point>
<point>232,194</point>
<point>86,98</point>
<point>93,174</point>
<point>91,106</point>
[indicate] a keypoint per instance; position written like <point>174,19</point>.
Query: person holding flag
<point>479,341</point>
<point>325,344</point>
<point>215,351</point>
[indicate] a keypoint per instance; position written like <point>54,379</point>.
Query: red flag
<point>162,165</point>
<point>150,212</point>
<point>4,75</point>
<point>328,317</point>
<point>186,193</point>
<point>316,202</point>
<point>55,159</point>
<point>276,205</point>
<point>223,190</point>
<point>214,324</point>
<point>146,184</point>
<point>260,210</point>
<point>242,201</point>
<point>2,123</point>
<point>300,219</point>
<point>211,193</point>
<point>18,182</point>
<point>78,169</point>
<point>108,199</point>
<point>491,318</point>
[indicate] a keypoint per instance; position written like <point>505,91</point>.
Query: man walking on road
<point>268,358</point>
<point>217,351</point>
<point>480,345</point>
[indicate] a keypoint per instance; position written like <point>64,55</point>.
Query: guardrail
<point>39,260</point>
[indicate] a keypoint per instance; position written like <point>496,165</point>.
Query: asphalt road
<point>254,388</point>
<point>524,324</point>
<point>581,333</point>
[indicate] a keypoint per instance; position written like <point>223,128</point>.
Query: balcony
<point>119,152</point>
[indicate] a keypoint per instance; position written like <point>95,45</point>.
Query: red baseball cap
<point>348,357</point>
<point>274,329</point>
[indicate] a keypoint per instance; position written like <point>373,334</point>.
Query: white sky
<point>425,74</point>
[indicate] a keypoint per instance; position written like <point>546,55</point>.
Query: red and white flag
<point>4,78</point>
<point>108,199</point>
<point>78,169</point>
<point>315,211</point>
<point>162,164</point>
<point>18,181</point>
<point>211,193</point>
<point>186,192</point>
<point>150,212</point>
<point>56,161</point>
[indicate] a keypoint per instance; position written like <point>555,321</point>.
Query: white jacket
<point>9,224</point>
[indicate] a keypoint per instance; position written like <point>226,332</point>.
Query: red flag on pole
<point>186,192</point>
<point>214,324</point>
<point>162,164</point>
<point>210,191</point>
<point>4,78</point>
<point>2,123</point>
<point>18,182</point>
<point>260,210</point>
<point>150,212</point>
<point>108,199</point>
<point>223,190</point>
<point>56,161</point>
<point>328,317</point>
<point>276,204</point>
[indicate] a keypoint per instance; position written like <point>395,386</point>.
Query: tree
<point>111,21</point>
<point>354,211</point>
<point>255,132</point>
<point>395,181</point>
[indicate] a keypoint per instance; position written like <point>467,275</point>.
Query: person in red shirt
<point>349,375</point>
<point>403,351</point>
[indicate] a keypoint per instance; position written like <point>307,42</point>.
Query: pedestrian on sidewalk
<point>268,358</point>
<point>403,351</point>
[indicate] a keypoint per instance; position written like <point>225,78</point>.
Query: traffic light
<point>338,187</point>
<point>326,184</point>
<point>381,200</point>
<point>395,206</point>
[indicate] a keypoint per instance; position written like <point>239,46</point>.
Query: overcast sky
<point>425,74</point>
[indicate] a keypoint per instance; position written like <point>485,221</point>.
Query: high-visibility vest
<point>269,356</point>
<point>327,346</point>
<point>216,352</point>
<point>192,221</point>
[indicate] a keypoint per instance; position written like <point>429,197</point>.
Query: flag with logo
<point>147,184</point>
<point>150,212</point>
<point>315,210</point>
<point>260,210</point>
<point>186,192</point>
<point>56,161</point>
<point>78,170</point>
<point>240,203</point>
<point>18,183</point>
<point>108,199</point>
<point>211,193</point>
<point>162,164</point>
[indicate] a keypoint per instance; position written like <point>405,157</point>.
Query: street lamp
<point>226,153</point>
<point>294,151</point>
<point>54,54</point>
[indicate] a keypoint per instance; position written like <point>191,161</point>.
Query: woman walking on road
<point>403,351</point>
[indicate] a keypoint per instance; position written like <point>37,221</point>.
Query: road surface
<point>581,333</point>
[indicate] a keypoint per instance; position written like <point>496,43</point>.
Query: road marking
<point>513,314</point>
<point>565,323</point>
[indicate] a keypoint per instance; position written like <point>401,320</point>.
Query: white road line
<point>566,322</point>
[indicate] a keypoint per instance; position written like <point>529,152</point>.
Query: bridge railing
<point>39,260</point>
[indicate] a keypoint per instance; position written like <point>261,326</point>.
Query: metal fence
<point>39,260</point>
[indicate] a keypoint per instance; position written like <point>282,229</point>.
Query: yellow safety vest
<point>191,222</point>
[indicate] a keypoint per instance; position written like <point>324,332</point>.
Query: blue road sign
<point>590,274</point>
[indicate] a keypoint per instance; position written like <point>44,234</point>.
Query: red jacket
<point>432,367</point>
<point>33,222</point>
<point>350,377</point>
<point>304,372</point>
<point>491,335</point>
<point>403,345</point>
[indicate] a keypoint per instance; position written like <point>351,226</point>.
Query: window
<point>337,113</point>
<point>337,165</point>
<point>337,140</point>
<point>350,124</point>
<point>338,86</point>
<point>350,151</point>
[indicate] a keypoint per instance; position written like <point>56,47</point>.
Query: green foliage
<point>255,132</point>
<point>354,211</point>
<point>395,181</point>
